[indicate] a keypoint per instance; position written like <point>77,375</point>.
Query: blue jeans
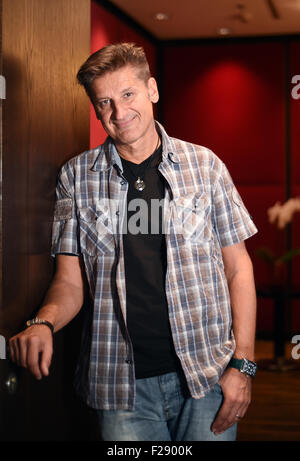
<point>166,412</point>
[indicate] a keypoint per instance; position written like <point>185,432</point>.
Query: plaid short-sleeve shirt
<point>203,212</point>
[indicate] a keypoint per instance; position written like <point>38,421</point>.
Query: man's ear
<point>153,90</point>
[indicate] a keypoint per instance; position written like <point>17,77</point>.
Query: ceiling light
<point>161,17</point>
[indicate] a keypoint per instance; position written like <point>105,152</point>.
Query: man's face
<point>123,104</point>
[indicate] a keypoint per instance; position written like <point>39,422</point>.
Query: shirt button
<point>117,213</point>
<point>122,183</point>
<point>128,361</point>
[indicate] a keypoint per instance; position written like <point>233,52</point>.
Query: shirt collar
<point>108,157</point>
<point>168,146</point>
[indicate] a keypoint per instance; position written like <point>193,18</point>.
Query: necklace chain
<point>140,184</point>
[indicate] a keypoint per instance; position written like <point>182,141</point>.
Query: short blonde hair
<point>111,58</point>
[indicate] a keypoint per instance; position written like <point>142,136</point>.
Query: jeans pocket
<point>218,389</point>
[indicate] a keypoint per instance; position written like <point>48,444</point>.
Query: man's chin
<point>125,138</point>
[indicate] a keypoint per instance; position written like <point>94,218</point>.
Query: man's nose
<point>119,111</point>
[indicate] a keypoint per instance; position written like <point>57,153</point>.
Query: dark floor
<point>274,413</point>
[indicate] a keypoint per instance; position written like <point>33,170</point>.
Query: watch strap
<point>244,366</point>
<point>236,363</point>
<point>38,321</point>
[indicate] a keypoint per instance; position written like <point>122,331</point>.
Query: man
<point>168,346</point>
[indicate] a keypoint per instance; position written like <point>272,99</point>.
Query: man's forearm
<point>236,386</point>
<point>62,302</point>
<point>243,304</point>
<point>32,348</point>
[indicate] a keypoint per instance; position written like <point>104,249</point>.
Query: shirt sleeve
<point>65,225</point>
<point>232,221</point>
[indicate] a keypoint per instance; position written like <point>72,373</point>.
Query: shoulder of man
<point>74,167</point>
<point>197,156</point>
<point>85,159</point>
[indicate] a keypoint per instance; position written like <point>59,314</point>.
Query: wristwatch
<point>244,366</point>
<point>37,321</point>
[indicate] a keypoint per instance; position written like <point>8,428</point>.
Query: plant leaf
<point>266,254</point>
<point>289,255</point>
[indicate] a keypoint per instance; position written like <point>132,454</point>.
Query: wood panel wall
<point>45,122</point>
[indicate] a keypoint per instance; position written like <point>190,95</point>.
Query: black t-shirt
<point>145,272</point>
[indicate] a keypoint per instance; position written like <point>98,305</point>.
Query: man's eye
<point>104,103</point>
<point>128,94</point>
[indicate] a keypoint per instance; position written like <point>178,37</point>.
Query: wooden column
<point>45,122</point>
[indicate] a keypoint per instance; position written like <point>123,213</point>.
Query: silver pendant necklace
<point>140,184</point>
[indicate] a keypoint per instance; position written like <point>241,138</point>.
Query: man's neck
<point>140,150</point>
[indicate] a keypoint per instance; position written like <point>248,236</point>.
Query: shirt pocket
<point>192,216</point>
<point>96,231</point>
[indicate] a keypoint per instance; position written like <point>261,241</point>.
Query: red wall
<point>106,28</point>
<point>231,98</point>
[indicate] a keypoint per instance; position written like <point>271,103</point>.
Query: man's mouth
<point>123,124</point>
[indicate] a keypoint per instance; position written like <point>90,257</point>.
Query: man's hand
<point>236,389</point>
<point>32,349</point>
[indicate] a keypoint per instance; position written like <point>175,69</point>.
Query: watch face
<point>249,368</point>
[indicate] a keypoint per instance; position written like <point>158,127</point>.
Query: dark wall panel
<point>295,173</point>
